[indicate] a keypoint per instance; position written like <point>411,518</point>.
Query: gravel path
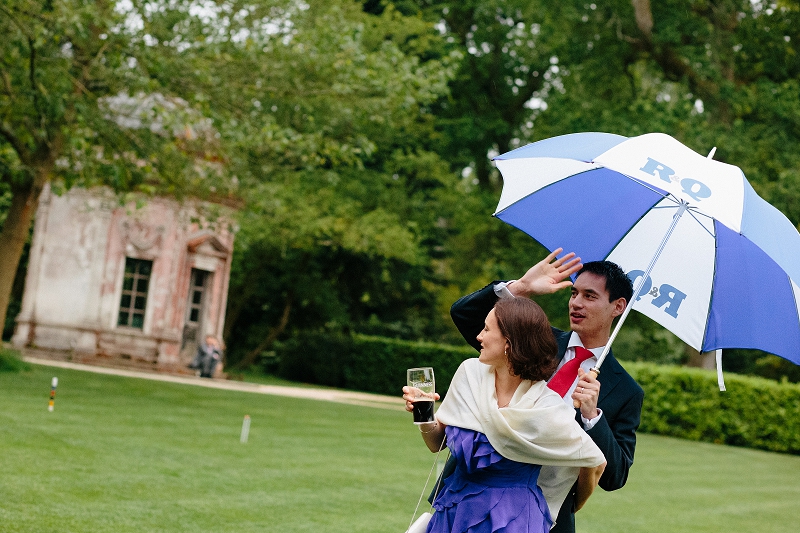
<point>329,395</point>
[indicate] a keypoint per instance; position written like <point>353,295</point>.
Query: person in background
<point>208,356</point>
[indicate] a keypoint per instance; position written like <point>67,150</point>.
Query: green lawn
<point>679,485</point>
<point>121,455</point>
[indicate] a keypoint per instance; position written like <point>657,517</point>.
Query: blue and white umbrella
<point>710,260</point>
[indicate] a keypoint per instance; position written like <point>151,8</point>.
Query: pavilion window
<point>196,289</point>
<point>135,285</point>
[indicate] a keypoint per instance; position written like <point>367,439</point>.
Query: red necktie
<point>566,375</point>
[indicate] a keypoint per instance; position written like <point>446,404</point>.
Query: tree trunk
<point>249,359</point>
<point>482,169</point>
<point>24,201</point>
<point>644,18</point>
<point>237,304</point>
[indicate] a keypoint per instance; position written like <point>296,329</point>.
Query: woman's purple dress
<point>487,492</point>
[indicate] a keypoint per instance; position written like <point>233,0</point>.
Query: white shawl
<point>537,427</point>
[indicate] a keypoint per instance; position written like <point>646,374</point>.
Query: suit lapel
<point>562,339</point>
<point>609,376</point>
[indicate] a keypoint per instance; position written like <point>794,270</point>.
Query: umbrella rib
<point>703,346</point>
<point>693,213</point>
<point>663,193</point>
<point>710,301</point>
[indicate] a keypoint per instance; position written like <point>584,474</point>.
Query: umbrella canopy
<point>711,260</point>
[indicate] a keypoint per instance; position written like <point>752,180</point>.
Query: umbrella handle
<point>596,371</point>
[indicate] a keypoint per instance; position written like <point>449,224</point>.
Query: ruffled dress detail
<point>488,493</point>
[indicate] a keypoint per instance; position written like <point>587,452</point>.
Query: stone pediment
<point>207,243</point>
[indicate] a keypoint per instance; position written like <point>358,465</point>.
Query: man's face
<point>590,312</point>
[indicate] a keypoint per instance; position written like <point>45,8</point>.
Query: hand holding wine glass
<point>420,394</point>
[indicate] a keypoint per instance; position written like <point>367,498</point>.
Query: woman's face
<point>493,343</point>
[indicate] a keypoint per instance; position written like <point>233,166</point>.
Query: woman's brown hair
<point>532,345</point>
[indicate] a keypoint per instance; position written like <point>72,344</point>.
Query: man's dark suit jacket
<point>620,400</point>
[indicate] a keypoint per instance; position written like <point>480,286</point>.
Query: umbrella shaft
<point>681,209</point>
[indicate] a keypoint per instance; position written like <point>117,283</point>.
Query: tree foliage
<point>342,191</point>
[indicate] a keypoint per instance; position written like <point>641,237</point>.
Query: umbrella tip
<point>711,153</point>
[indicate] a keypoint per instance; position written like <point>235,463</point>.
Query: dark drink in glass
<point>423,411</point>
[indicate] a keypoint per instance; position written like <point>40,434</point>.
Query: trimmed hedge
<point>366,363</point>
<point>687,403</point>
<point>11,361</point>
<point>679,402</point>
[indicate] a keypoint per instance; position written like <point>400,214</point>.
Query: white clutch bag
<point>421,524</point>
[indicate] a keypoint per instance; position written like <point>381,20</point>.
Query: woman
<point>502,423</point>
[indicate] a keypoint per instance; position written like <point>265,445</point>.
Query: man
<point>611,404</point>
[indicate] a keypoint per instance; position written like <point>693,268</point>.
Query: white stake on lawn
<point>245,429</point>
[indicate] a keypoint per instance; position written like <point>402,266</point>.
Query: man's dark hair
<point>618,284</point>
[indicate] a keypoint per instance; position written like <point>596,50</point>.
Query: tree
<point>510,51</point>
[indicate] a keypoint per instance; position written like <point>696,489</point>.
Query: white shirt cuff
<point>501,289</point>
<point>589,424</point>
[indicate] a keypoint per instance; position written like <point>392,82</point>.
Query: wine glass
<point>422,379</point>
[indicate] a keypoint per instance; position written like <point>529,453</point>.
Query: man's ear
<point>619,307</point>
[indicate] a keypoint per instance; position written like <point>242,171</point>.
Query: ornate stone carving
<point>142,236</point>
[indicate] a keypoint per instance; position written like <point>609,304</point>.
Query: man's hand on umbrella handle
<point>549,275</point>
<point>586,393</point>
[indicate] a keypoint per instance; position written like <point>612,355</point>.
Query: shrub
<point>366,363</point>
<point>687,403</point>
<point>10,361</point>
